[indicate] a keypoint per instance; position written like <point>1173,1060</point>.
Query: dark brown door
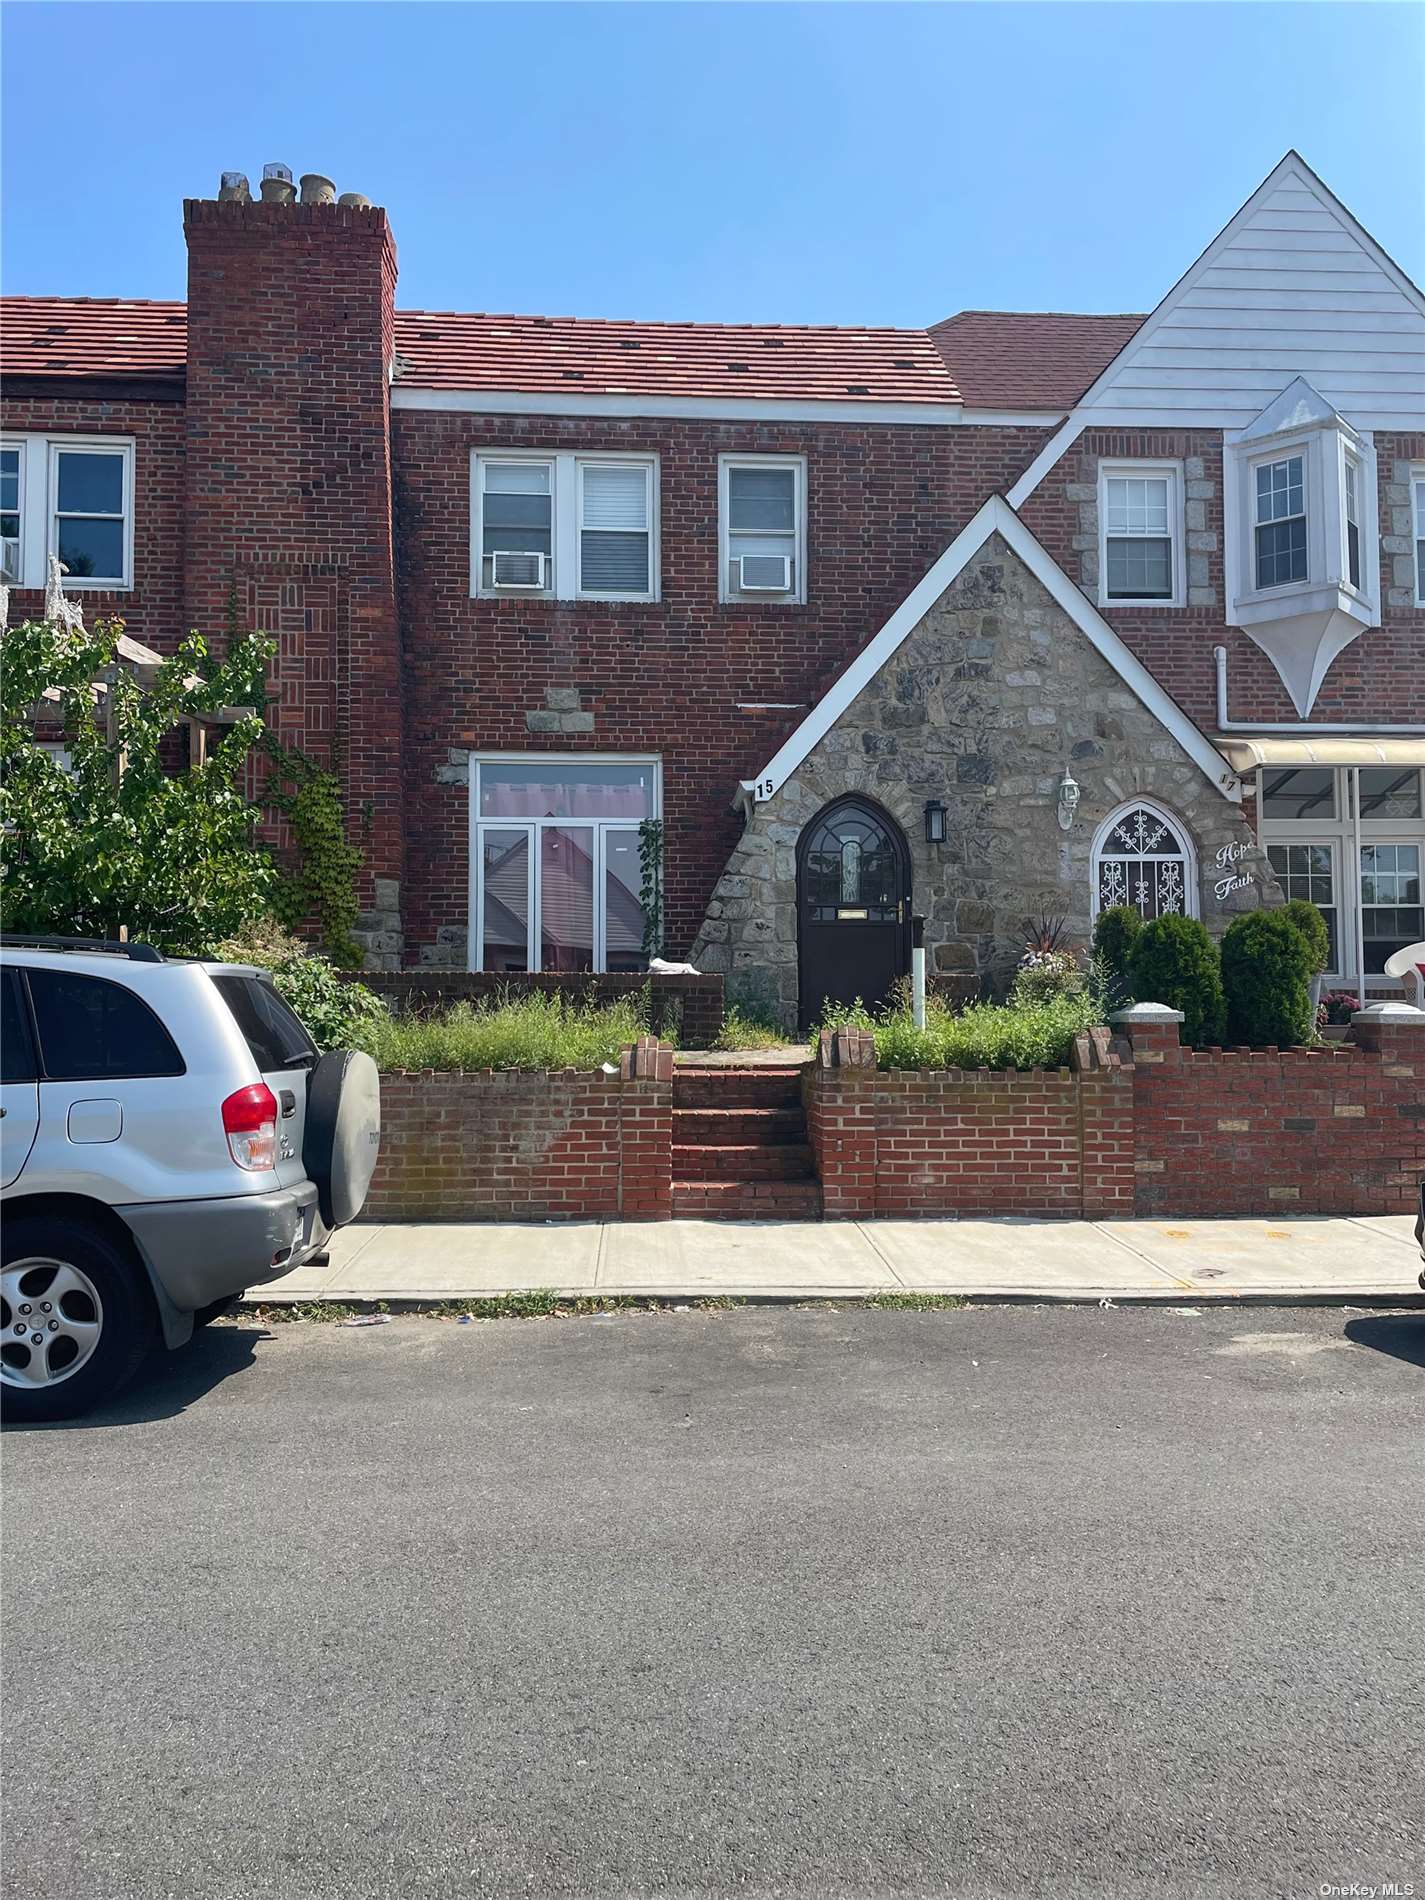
<point>853,903</point>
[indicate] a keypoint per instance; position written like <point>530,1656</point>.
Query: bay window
<point>563,526</point>
<point>556,862</point>
<point>1417,522</point>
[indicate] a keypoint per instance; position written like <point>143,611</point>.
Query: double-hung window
<point>1280,517</point>
<point>1352,843</point>
<point>762,528</point>
<point>12,480</point>
<point>1140,534</point>
<point>564,527</point>
<point>557,862</point>
<point>1417,504</point>
<point>71,496</point>
<point>1351,507</point>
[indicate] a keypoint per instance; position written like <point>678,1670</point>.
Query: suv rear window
<point>274,1032</point>
<point>90,1029</point>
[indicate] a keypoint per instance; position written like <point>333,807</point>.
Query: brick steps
<point>740,1148</point>
<point>747,1200</point>
<point>742,1161</point>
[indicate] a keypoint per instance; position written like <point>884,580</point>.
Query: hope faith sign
<point>1229,856</point>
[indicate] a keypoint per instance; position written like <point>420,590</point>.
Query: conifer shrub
<point>1266,973</point>
<point>1115,932</point>
<point>1174,961</point>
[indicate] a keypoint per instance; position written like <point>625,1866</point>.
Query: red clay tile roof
<point>92,336</point>
<point>1028,359</point>
<point>609,356</point>
<point>989,359</point>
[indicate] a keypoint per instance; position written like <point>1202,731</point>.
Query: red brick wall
<point>152,610</point>
<point>1379,677</point>
<point>290,342</point>
<point>555,1145</point>
<point>882,504</point>
<point>973,1143</point>
<point>1266,1131</point>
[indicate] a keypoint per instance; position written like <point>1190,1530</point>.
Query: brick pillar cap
<point>1389,1013</point>
<point>1147,1013</point>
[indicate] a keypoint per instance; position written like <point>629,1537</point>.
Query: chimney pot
<point>277,170</point>
<point>278,191</point>
<point>355,199</point>
<point>233,189</point>
<point>317,190</point>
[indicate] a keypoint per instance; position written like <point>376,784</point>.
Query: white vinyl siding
<point>1295,289</point>
<point>762,522</point>
<point>1140,534</point>
<point>580,526</point>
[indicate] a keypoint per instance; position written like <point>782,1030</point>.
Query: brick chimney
<point>288,504</point>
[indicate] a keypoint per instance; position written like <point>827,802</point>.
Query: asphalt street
<point>818,1602</point>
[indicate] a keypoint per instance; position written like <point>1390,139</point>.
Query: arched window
<point>1142,856</point>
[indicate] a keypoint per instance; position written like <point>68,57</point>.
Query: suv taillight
<point>250,1123</point>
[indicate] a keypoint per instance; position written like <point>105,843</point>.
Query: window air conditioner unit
<point>517,569</point>
<point>764,574</point>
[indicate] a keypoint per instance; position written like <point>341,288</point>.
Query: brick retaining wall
<point>558,1144</point>
<point>1280,1131</point>
<point>690,1006</point>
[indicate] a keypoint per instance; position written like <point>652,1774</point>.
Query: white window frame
<point>1167,817</point>
<point>564,467</point>
<point>39,494</point>
<point>1324,451</point>
<point>796,596</point>
<point>555,761</point>
<point>1417,537</point>
<point>18,445</point>
<point>1307,517</point>
<point>1158,470</point>
<point>1344,834</point>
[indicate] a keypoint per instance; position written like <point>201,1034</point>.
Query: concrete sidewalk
<point>1358,1260</point>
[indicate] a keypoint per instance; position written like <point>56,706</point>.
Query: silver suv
<point>169,1136</point>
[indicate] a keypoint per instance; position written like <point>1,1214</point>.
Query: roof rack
<point>135,952</point>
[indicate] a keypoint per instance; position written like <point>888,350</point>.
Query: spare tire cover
<point>342,1136</point>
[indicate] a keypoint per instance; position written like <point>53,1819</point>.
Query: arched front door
<point>853,906</point>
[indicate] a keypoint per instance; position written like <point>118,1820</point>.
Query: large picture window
<point>1352,843</point>
<point>556,868</point>
<point>1142,857</point>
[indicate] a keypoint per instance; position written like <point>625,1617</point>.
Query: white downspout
<point>1224,724</point>
<point>1358,909</point>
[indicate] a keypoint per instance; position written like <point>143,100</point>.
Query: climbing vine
<point>321,887</point>
<point>650,860</point>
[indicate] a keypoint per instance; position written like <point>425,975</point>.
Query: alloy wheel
<point>51,1319</point>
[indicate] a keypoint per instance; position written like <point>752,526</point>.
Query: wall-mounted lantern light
<point>1068,800</point>
<point>934,822</point>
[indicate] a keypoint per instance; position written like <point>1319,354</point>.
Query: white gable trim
<point>1292,169</point>
<point>995,517</point>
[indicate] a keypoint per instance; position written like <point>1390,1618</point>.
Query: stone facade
<point>982,707</point>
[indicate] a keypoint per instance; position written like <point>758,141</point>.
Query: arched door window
<point>1143,857</point>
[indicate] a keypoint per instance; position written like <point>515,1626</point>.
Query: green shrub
<point>1174,961</point>
<point>531,1030</point>
<point>337,1014</point>
<point>1266,971</point>
<point>1026,1035</point>
<point>1115,932</point>
<point>748,1029</point>
<point>1312,925</point>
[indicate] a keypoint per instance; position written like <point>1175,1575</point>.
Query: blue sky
<point>814,164</point>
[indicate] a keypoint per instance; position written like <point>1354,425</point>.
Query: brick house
<point>1016,613</point>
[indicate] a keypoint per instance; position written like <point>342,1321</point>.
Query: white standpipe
<point>917,971</point>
